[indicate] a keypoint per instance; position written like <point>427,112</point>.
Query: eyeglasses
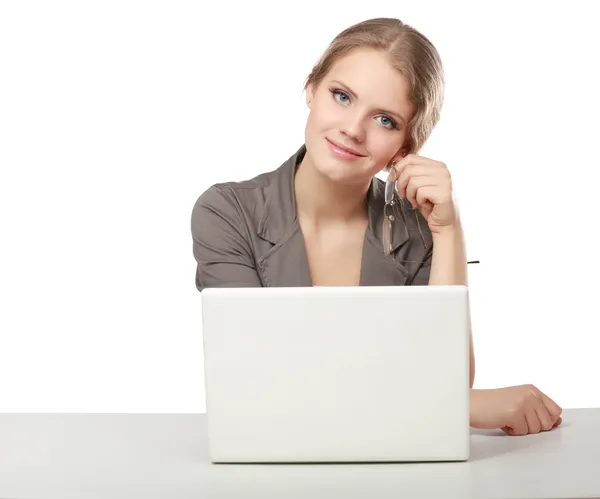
<point>388,213</point>
<point>388,209</point>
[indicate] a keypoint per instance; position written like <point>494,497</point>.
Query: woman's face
<point>363,104</point>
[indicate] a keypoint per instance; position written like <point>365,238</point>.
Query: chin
<point>341,174</point>
<point>338,171</point>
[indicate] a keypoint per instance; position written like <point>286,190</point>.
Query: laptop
<point>336,374</point>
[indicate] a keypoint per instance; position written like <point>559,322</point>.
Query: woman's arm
<point>427,185</point>
<point>449,267</point>
<point>223,255</point>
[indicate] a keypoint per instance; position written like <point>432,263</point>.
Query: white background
<point>116,116</point>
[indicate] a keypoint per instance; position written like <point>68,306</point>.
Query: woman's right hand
<point>517,410</point>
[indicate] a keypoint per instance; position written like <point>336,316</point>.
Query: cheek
<point>324,114</point>
<point>384,144</point>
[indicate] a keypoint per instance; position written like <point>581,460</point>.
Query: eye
<point>343,98</point>
<point>388,122</point>
<point>338,95</point>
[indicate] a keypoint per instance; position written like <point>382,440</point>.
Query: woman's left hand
<point>428,187</point>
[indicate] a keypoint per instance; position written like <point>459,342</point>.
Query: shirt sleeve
<point>223,254</point>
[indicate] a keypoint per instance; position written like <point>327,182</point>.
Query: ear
<point>396,158</point>
<point>400,154</point>
<point>310,94</point>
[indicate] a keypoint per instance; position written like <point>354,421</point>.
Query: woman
<point>322,219</point>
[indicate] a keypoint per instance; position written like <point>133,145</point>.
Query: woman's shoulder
<point>247,200</point>
<point>232,190</point>
<point>229,201</point>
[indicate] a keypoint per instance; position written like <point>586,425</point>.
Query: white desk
<point>165,456</point>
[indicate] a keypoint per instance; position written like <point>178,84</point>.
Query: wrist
<point>443,232</point>
<point>449,261</point>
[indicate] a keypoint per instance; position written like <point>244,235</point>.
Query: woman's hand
<point>428,187</point>
<point>517,410</point>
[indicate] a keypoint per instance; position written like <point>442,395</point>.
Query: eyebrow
<point>386,111</point>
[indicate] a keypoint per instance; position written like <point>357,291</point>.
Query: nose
<point>353,127</point>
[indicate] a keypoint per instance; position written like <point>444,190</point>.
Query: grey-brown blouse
<point>247,234</point>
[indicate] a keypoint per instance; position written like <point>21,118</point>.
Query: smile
<point>343,152</point>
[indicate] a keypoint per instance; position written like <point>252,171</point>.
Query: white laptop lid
<point>337,374</point>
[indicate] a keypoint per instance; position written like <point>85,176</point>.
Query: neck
<point>320,200</point>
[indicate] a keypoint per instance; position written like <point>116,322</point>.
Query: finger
<point>403,189</point>
<point>427,194</point>
<point>534,424</point>
<point>416,190</point>
<point>426,209</point>
<point>544,416</point>
<point>554,409</point>
<point>558,422</point>
<point>406,175</point>
<point>414,159</point>
<point>518,426</point>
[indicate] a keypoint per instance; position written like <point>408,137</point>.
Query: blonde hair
<point>411,53</point>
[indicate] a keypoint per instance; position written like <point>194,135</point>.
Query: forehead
<point>369,73</point>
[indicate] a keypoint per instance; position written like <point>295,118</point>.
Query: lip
<point>343,151</point>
